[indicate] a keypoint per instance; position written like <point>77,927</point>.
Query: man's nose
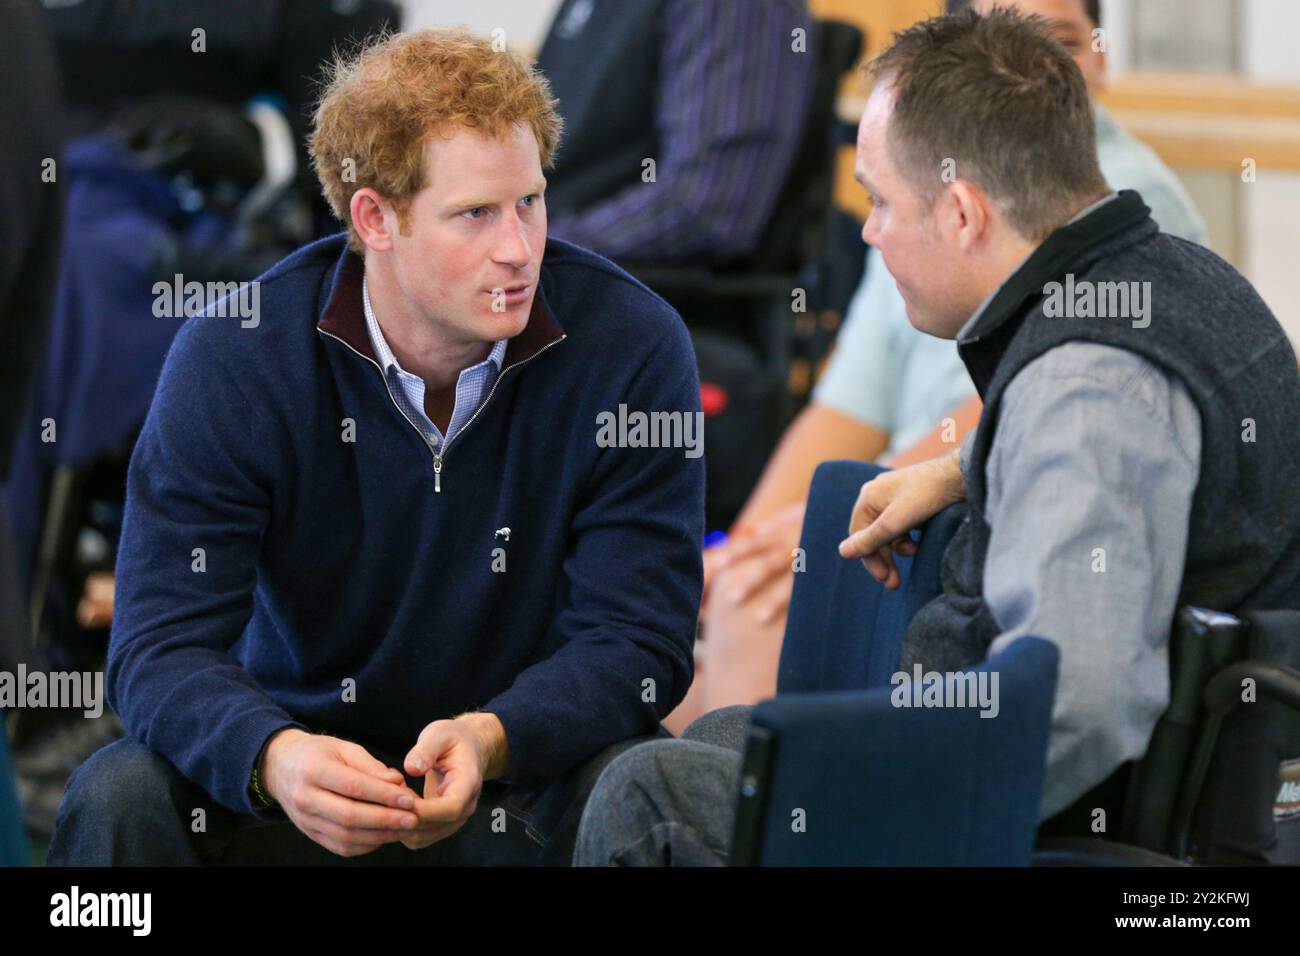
<point>512,243</point>
<point>869,228</point>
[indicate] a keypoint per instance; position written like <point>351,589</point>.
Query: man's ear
<point>965,214</point>
<point>368,209</point>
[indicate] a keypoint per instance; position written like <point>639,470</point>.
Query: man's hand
<point>759,559</point>
<point>455,756</point>
<point>337,793</point>
<point>891,505</point>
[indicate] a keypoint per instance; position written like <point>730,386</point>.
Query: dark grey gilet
<point>1209,329</point>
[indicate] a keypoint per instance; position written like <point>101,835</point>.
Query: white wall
<point>1271,212</point>
<point>1269,30</point>
<point>1265,214</point>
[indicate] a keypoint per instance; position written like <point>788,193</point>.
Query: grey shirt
<point>1090,481</point>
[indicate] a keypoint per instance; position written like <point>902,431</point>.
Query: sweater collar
<point>344,315</point>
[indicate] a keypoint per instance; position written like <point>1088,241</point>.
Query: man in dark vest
<point>1139,449</point>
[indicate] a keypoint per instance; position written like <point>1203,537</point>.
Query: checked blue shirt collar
<point>472,386</point>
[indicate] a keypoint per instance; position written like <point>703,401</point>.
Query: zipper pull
<point>437,472</point>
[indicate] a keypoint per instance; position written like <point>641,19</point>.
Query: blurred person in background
<point>31,216</point>
<point>683,121</point>
<point>713,91</point>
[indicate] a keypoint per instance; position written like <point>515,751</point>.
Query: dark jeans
<point>127,806</point>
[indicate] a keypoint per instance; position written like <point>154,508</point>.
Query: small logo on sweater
<point>1098,300</point>
<point>503,533</point>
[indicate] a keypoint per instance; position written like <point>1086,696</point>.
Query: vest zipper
<point>437,456</point>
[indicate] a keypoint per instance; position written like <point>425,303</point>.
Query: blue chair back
<point>844,631</point>
<point>851,779</point>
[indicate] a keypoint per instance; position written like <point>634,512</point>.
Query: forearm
<point>197,508</point>
<point>941,439</point>
<point>592,693</point>
<point>817,435</point>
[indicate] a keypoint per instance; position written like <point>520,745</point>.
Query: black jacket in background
<point>31,209</point>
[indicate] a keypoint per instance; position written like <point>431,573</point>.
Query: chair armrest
<point>1223,692</point>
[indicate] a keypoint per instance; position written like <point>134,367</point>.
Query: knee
<point>619,801</point>
<point>680,787</point>
<point>660,773</point>
<point>631,769</point>
<point>725,727</point>
<point>122,780</point>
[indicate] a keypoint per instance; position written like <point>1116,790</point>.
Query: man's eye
<point>473,213</point>
<point>529,200</point>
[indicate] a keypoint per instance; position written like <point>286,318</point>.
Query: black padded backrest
<point>798,219</point>
<point>1248,811</point>
<point>1201,643</point>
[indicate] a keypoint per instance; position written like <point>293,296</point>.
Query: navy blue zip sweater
<point>273,573</point>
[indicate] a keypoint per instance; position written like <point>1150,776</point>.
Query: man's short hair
<point>382,104</point>
<point>994,96</point>
<point>1090,7</point>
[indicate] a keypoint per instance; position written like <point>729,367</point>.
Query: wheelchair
<point>834,774</point>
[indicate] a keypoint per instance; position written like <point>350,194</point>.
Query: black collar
<point>1071,247</point>
<point>1068,246</point>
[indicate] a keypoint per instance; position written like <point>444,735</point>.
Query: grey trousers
<point>668,802</point>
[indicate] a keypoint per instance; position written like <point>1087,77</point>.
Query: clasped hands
<point>346,800</point>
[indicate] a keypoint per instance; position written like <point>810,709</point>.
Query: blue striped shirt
<point>733,96</point>
<point>472,386</point>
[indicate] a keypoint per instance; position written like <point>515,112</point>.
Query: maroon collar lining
<point>345,318</point>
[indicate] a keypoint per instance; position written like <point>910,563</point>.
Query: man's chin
<point>509,321</point>
<point>926,322</point>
